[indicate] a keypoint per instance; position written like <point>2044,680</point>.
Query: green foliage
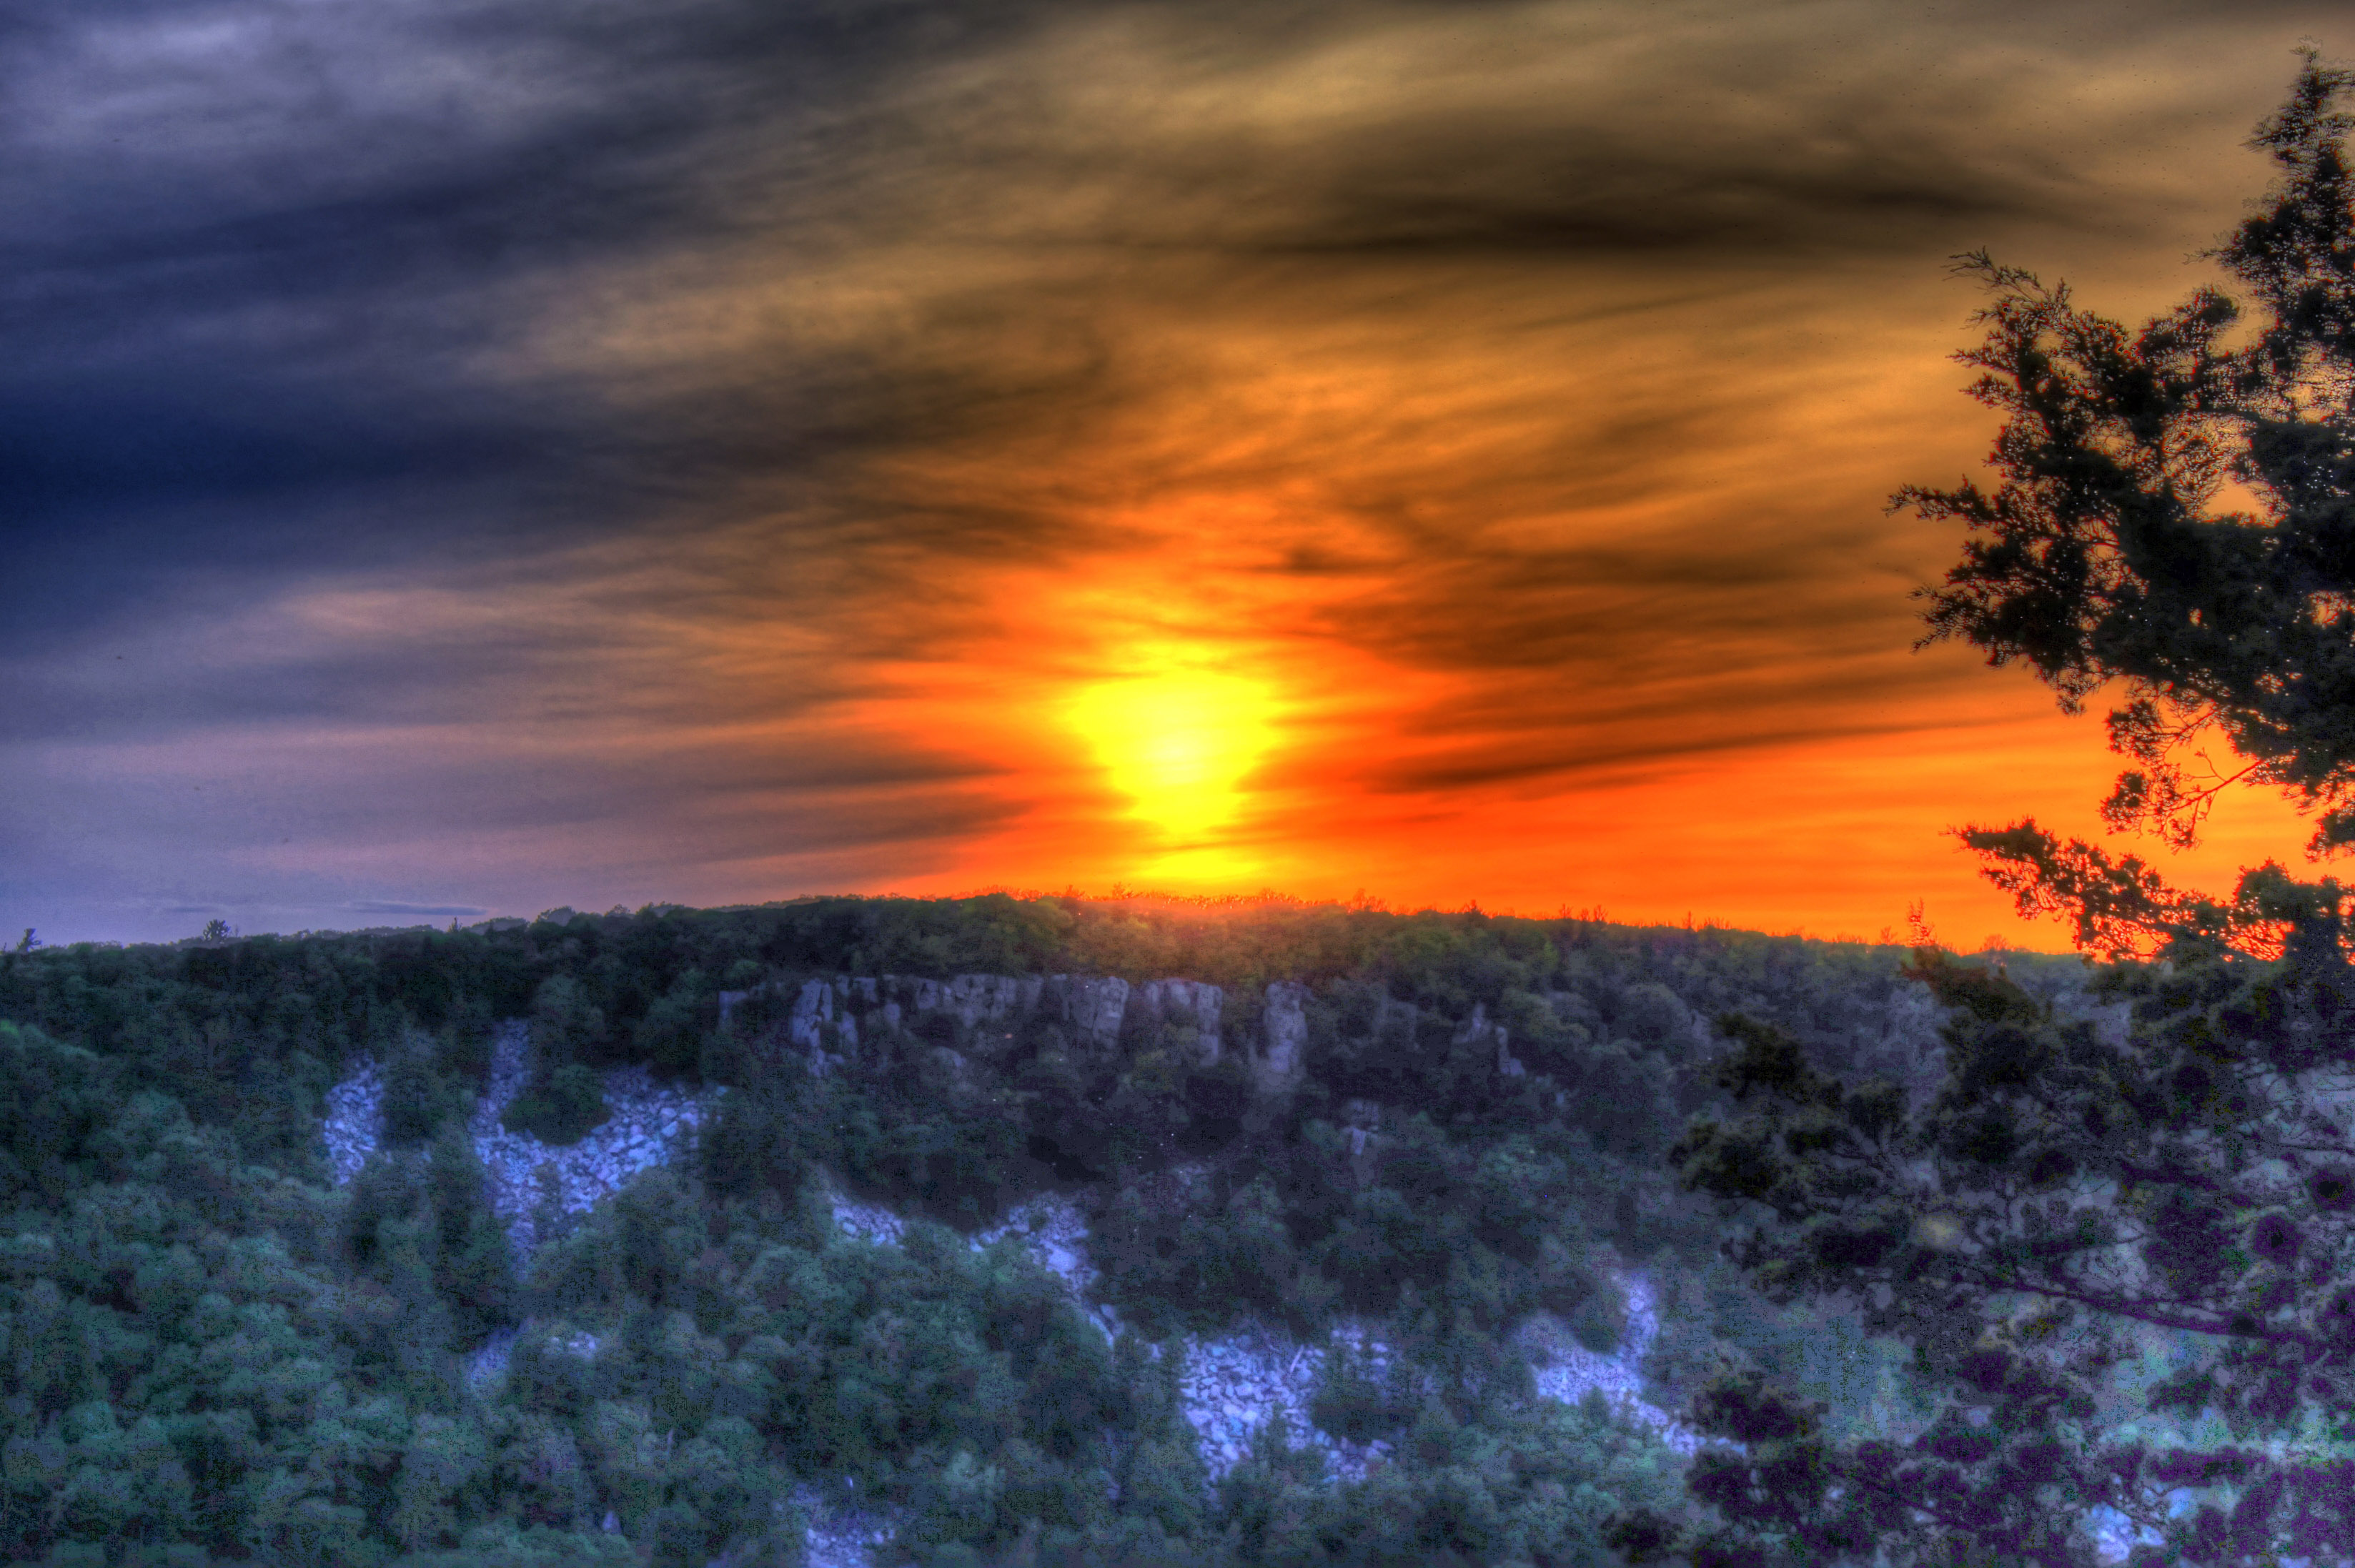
<point>55,1107</point>
<point>418,1099</point>
<point>1361,1399</point>
<point>473,1267</point>
<point>958,1163</point>
<point>503,1545</point>
<point>760,1139</point>
<point>561,1104</point>
<point>1181,1264</point>
<point>1529,1488</point>
<point>567,1025</point>
<point>1599,1321</point>
<point>423,1240</point>
<point>2065,1195</point>
<point>706,1342</point>
<point>1517,1196</point>
<point>671,1037</point>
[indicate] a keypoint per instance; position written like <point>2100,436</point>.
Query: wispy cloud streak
<point>459,454</point>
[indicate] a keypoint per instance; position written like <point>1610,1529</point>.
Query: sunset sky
<point>468,456</point>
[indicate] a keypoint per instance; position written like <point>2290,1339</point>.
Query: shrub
<point>561,1105</point>
<point>408,1103</point>
<point>1600,1321</point>
<point>954,1165</point>
<point>754,1143</point>
<point>1174,1264</point>
<point>59,1098</point>
<point>1217,1098</point>
<point>474,1268</point>
<point>1518,1196</point>
<point>671,1037</point>
<point>566,1025</point>
<point>1358,1400</point>
<point>502,1544</point>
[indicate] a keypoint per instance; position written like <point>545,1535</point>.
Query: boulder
<point>822,1008</point>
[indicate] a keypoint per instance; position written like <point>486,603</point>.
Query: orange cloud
<point>1435,451</point>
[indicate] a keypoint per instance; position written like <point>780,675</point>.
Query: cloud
<point>709,436</point>
<point>384,906</point>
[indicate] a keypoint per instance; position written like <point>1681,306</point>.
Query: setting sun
<point>1178,743</point>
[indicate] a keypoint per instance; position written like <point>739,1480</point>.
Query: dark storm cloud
<point>254,260</point>
<point>1641,603</point>
<point>259,260</point>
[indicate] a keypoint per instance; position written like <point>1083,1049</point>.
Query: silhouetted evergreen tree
<point>2069,1205</point>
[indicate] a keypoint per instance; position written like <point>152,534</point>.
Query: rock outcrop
<point>1283,1037</point>
<point>1092,1008</point>
<point>1482,1034</point>
<point>827,1018</point>
<point>816,1022</point>
<point>978,999</point>
<point>1179,1005</point>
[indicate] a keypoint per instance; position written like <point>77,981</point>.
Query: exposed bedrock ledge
<point>824,1019</point>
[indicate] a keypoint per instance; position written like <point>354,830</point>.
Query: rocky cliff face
<point>1178,1004</point>
<point>1283,1037</point>
<point>826,1018</point>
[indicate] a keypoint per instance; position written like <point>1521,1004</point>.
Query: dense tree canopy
<point>2125,1254</point>
<point>210,1353</point>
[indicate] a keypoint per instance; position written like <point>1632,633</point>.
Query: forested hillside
<point>1436,1128</point>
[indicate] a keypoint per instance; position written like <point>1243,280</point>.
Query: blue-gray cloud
<point>390,906</point>
<point>729,315</point>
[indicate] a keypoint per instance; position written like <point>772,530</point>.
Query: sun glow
<point>1178,743</point>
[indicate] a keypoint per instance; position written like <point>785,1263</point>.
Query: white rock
<point>1092,1007</point>
<point>1184,1003</point>
<point>1284,1028</point>
<point>982,998</point>
<point>812,1010</point>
